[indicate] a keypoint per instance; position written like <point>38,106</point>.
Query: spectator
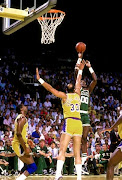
<point>31,127</point>
<point>44,163</point>
<point>36,135</point>
<point>54,152</point>
<point>7,121</point>
<point>48,126</point>
<point>47,104</point>
<point>104,156</point>
<point>43,112</point>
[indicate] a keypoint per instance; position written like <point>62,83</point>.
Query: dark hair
<point>53,142</point>
<point>70,88</point>
<point>18,108</point>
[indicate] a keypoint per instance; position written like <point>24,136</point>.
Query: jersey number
<point>74,107</point>
<point>84,99</point>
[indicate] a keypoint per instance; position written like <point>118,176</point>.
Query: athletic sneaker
<point>84,170</point>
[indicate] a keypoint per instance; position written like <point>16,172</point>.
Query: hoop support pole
<point>31,17</point>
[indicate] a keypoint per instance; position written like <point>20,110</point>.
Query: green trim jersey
<point>84,107</point>
<point>84,101</point>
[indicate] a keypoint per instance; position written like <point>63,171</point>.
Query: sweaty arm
<point>94,81</point>
<point>49,88</point>
<point>79,76</point>
<point>20,124</point>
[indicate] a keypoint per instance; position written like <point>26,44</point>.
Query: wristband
<point>79,60</point>
<point>91,70</point>
<point>41,80</point>
<point>80,72</point>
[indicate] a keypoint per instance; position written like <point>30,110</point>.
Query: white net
<point>49,23</point>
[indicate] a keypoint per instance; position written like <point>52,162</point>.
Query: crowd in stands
<point>45,115</point>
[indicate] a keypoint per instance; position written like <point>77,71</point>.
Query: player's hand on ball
<point>88,64</point>
<point>80,55</point>
<point>37,74</point>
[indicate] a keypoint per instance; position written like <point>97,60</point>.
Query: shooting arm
<point>94,82</point>
<point>79,76</point>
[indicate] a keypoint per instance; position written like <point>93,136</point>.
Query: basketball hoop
<point>49,22</point>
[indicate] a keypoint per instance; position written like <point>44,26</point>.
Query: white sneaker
<point>84,171</point>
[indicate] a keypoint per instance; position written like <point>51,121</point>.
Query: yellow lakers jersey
<point>71,108</point>
<point>24,131</point>
<point>120,130</point>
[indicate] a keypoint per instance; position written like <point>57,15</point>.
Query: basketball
<point>80,47</point>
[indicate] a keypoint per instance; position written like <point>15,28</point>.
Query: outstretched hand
<point>80,55</point>
<point>82,64</point>
<point>88,64</point>
<point>37,74</point>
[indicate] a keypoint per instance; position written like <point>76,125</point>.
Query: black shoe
<point>116,174</point>
<point>96,173</point>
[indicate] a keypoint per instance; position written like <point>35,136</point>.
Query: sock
<point>59,168</point>
<point>78,171</point>
<point>84,157</point>
<point>21,177</point>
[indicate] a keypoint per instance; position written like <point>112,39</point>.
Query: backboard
<point>18,13</point>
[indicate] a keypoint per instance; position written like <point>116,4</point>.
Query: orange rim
<point>51,11</point>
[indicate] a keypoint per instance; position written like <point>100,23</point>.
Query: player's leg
<point>84,140</point>
<point>76,148</point>
<point>84,147</point>
<point>31,166</point>
<point>64,141</point>
<point>113,161</point>
<point>86,126</point>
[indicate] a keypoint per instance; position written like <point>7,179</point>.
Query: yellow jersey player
<point>72,124</point>
<point>19,143</point>
<point>116,157</point>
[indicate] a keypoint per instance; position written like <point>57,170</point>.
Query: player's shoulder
<point>21,117</point>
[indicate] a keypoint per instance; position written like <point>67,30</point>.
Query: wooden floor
<point>97,177</point>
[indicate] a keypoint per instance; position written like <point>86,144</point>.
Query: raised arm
<point>48,87</point>
<point>79,76</point>
<point>94,82</point>
<point>80,56</point>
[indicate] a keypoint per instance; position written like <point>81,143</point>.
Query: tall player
<point>116,157</point>
<point>85,94</point>
<point>72,124</point>
<point>20,144</point>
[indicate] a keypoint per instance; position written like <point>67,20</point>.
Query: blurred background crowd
<point>45,117</point>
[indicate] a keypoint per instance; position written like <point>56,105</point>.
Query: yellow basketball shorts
<point>72,126</point>
<point>18,149</point>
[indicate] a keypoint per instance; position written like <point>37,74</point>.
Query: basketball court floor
<point>91,177</point>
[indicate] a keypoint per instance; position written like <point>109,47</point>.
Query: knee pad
<point>31,168</point>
